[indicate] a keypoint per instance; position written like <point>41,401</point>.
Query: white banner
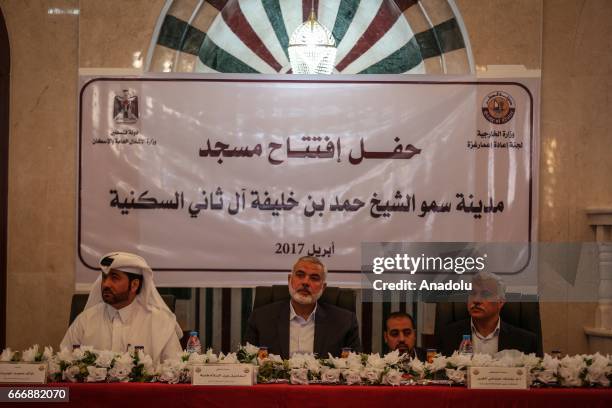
<point>225,181</point>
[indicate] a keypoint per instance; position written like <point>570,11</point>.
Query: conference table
<point>284,395</point>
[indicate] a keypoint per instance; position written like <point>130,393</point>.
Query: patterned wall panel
<point>252,36</point>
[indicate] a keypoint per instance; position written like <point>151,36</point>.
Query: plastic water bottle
<point>193,344</point>
<point>465,348</point>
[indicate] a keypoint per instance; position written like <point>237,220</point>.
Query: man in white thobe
<point>124,308</point>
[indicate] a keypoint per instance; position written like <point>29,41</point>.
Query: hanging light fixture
<point>312,48</point>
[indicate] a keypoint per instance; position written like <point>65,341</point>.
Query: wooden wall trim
<point>5,64</point>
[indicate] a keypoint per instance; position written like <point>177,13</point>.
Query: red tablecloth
<point>281,395</point>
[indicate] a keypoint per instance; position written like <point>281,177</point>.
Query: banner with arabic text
<point>227,180</point>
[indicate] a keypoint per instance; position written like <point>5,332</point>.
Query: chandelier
<point>312,48</point>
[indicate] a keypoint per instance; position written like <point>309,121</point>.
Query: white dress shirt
<point>105,328</point>
<point>485,344</point>
<point>301,332</point>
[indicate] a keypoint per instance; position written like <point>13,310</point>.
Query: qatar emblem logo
<point>125,108</point>
<point>498,107</point>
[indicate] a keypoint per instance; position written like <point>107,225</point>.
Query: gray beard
<point>304,300</point>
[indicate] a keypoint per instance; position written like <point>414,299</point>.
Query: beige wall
<point>576,142</point>
<point>573,37</point>
<point>41,170</point>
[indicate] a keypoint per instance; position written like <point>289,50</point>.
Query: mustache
<point>476,307</point>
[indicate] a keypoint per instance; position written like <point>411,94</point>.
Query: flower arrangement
<point>85,364</point>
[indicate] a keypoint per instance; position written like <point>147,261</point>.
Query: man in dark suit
<point>301,324</point>
<point>489,334</point>
<point>400,334</point>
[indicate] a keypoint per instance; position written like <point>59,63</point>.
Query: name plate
<point>23,373</point>
<point>508,378</point>
<point>223,374</point>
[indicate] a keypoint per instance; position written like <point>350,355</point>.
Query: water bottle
<point>193,344</point>
<point>465,348</point>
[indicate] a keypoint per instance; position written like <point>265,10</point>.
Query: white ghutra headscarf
<point>148,297</point>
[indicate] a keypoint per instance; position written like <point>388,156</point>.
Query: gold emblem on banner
<point>498,107</point>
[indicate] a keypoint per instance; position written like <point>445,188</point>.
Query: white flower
<point>70,373</point>
<point>147,362</point>
<point>371,375</point>
<point>330,376</point>
<point>337,362</point>
<point>96,374</point>
<point>507,361</point>
<point>120,371</point>
<point>481,360</point>
<point>275,358</point>
<point>392,357</point>
<point>550,363</point>
<point>437,364</point>
<point>546,376</point>
<point>531,360</point>
<point>29,355</point>
<point>53,368</point>
<point>195,358</point>
<point>598,371</point>
<point>546,371</point>
<point>299,376</point>
<point>251,349</point>
<point>87,348</point>
<point>105,358</point>
<point>170,371</point>
<point>183,356</point>
<point>417,366</point>
<point>375,361</point>
<point>48,353</point>
<point>313,364</point>
<point>78,353</point>
<point>570,369</point>
<point>457,376</point>
<point>7,355</point>
<point>230,358</point>
<point>211,357</point>
<point>65,355</point>
<point>125,359</point>
<point>351,376</point>
<point>459,360</point>
<point>297,360</point>
<point>393,377</point>
<point>353,362</point>
<point>511,354</point>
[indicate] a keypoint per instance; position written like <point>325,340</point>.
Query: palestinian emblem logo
<point>498,107</point>
<point>125,108</point>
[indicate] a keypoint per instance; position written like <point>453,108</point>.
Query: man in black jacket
<point>303,325</point>
<point>400,334</point>
<point>488,333</point>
